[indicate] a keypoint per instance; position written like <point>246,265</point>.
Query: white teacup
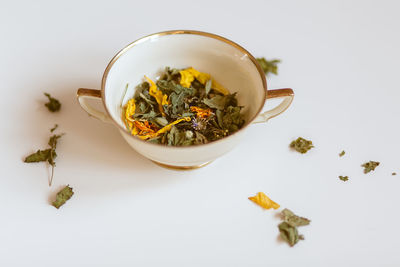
<point>227,62</point>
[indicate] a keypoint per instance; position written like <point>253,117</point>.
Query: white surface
<point>340,57</point>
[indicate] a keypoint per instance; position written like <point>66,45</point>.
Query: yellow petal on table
<point>158,95</point>
<point>262,200</point>
<point>188,75</point>
<point>169,126</point>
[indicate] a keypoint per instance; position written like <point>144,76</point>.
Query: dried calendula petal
<point>129,111</point>
<point>188,75</point>
<point>201,112</point>
<point>169,126</point>
<point>158,95</point>
<point>262,200</point>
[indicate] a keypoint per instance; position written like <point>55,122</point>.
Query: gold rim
<point>181,168</point>
<point>206,34</point>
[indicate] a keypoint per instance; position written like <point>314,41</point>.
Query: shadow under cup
<point>228,63</point>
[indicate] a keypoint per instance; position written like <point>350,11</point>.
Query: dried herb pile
<point>184,107</point>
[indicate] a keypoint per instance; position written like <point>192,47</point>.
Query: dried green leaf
<point>294,220</point>
<point>54,128</point>
<point>289,233</point>
<point>53,140</point>
<point>62,196</point>
<point>269,66</point>
<point>301,145</point>
<point>208,86</point>
<point>161,121</point>
<point>370,166</point>
<point>38,156</point>
<point>53,105</point>
<point>217,102</point>
<point>344,178</point>
<point>342,153</point>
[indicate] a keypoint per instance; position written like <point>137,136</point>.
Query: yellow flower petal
<point>158,95</point>
<point>188,75</point>
<point>129,111</point>
<point>262,200</point>
<point>169,126</point>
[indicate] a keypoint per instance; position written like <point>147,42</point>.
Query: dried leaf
<point>208,86</point>
<point>344,178</point>
<point>263,201</point>
<point>370,166</point>
<point>269,66</point>
<point>301,145</point>
<point>393,173</point>
<point>53,105</point>
<point>289,233</point>
<point>217,102</point>
<point>62,196</point>
<point>54,128</point>
<point>342,153</point>
<point>294,220</point>
<point>38,156</point>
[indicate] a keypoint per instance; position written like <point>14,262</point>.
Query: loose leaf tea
<point>301,145</point>
<point>62,196</point>
<point>54,128</point>
<point>370,166</point>
<point>48,155</point>
<point>184,107</point>
<point>263,201</point>
<point>344,178</point>
<point>289,233</point>
<point>342,153</point>
<point>294,220</point>
<point>53,105</point>
<point>269,66</point>
<point>393,173</point>
<point>288,228</point>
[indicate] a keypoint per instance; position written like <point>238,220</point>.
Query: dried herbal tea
<point>54,128</point>
<point>342,153</point>
<point>344,178</point>
<point>184,107</point>
<point>301,145</point>
<point>288,228</point>
<point>48,155</point>
<point>393,173</point>
<point>269,66</point>
<point>53,105</point>
<point>62,196</point>
<point>263,201</point>
<point>370,166</point>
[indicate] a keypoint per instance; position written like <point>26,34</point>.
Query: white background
<point>341,58</point>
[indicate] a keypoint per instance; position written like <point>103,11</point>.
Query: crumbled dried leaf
<point>54,128</point>
<point>263,201</point>
<point>269,66</point>
<point>53,105</point>
<point>38,156</point>
<point>289,233</point>
<point>344,178</point>
<point>393,173</point>
<point>293,219</point>
<point>341,154</point>
<point>301,145</point>
<point>370,166</point>
<point>62,196</point>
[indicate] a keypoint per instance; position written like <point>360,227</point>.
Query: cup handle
<point>287,94</point>
<point>83,95</point>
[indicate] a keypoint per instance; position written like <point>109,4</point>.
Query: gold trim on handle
<point>88,92</point>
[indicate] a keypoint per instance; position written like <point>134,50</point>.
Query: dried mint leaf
<point>53,105</point>
<point>217,102</point>
<point>370,166</point>
<point>301,145</point>
<point>289,233</point>
<point>54,128</point>
<point>38,156</point>
<point>208,86</point>
<point>294,220</point>
<point>342,153</point>
<point>62,196</point>
<point>344,178</point>
<point>269,66</point>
